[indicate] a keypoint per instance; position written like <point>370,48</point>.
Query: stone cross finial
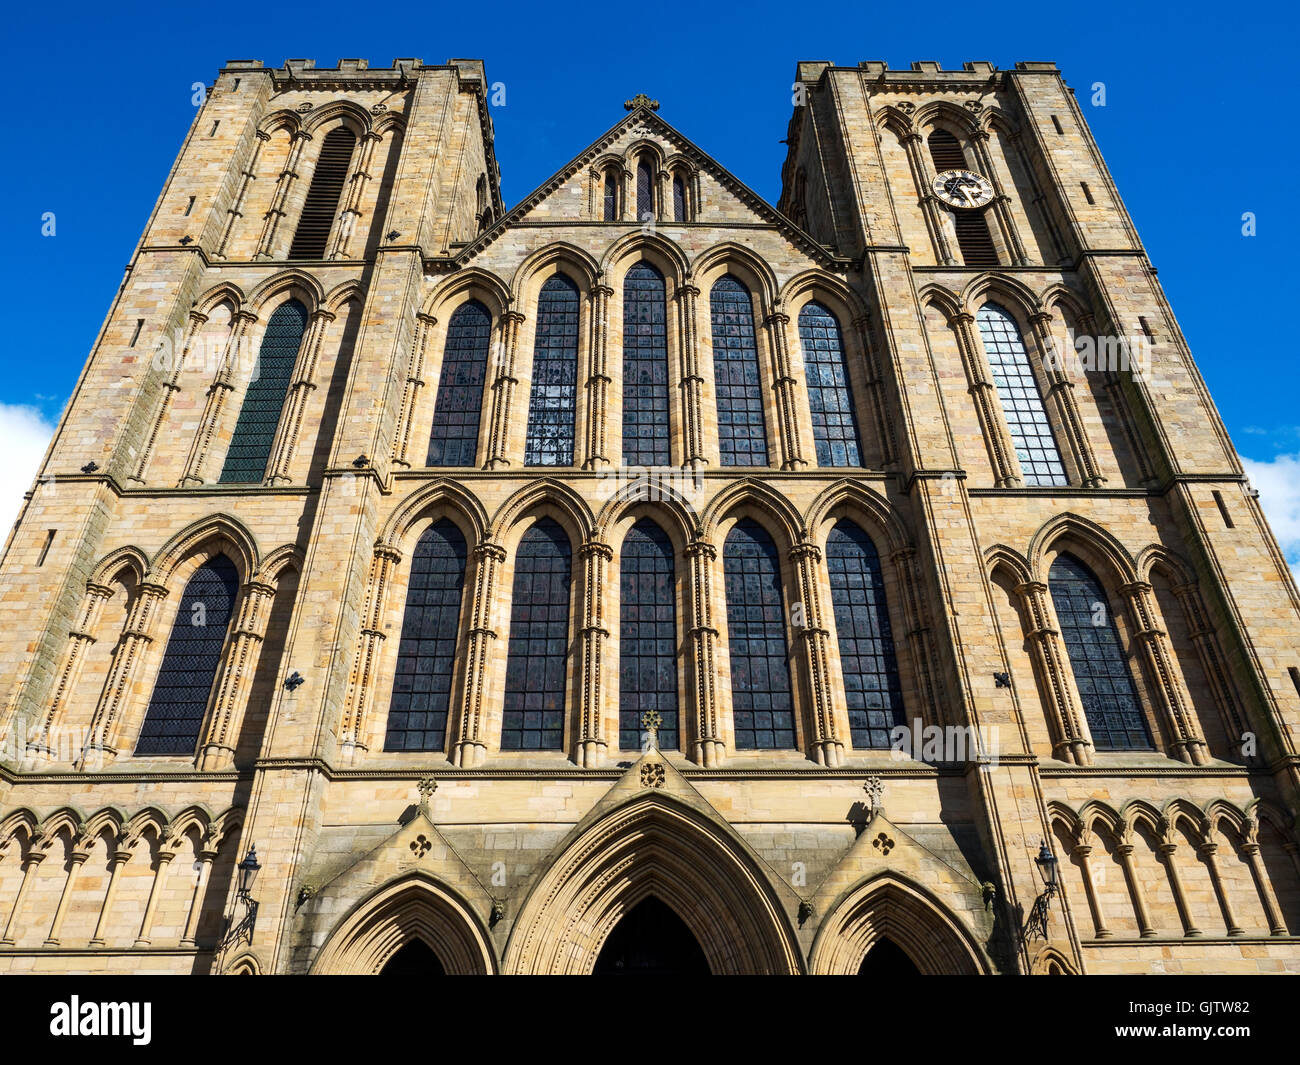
<point>426,787</point>
<point>650,721</point>
<point>875,789</point>
<point>640,100</point>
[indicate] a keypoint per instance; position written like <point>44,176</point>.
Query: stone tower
<point>645,578</point>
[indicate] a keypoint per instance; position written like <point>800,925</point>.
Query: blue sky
<point>1194,130</point>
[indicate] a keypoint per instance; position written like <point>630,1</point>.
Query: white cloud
<point>26,434</point>
<point>1278,481</point>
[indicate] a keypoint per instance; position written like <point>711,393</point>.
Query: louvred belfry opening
<point>322,204</point>
<point>973,237</point>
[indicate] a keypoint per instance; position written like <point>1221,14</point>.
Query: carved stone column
<point>875,389</point>
<point>351,212</point>
<point>921,175</point>
<point>424,324</point>
<point>76,860</point>
<point>701,632</point>
<point>826,735</point>
<point>80,639</point>
<point>122,852</point>
<point>1272,911</point>
<point>1071,738</point>
<point>1209,850</point>
<point>266,244</point>
<point>218,392</point>
<point>591,745</point>
<point>206,857</point>
<point>136,637</point>
<point>1168,848</point>
<point>1214,664</point>
<point>169,390</point>
<point>690,380</point>
<point>786,391</point>
<point>37,851</point>
<point>1125,851</point>
<point>365,666</point>
<point>503,390</point>
<point>470,748</point>
<point>1082,850</point>
<point>218,751</point>
<point>598,379</point>
<point>979,139</point>
<point>1186,737</point>
<point>919,639</point>
<point>1065,406</point>
<point>988,407</point>
<point>278,469</point>
<point>166,853</point>
<point>236,210</point>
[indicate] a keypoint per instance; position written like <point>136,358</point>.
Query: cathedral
<point>645,578</point>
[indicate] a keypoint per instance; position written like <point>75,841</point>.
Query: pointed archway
<point>659,846</point>
<point>651,940</point>
<point>416,958</point>
<point>887,960</point>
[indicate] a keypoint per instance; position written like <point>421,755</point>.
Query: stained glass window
<point>259,417</point>
<point>679,199</point>
<point>1022,403</point>
<point>189,667</point>
<point>611,196</point>
<point>454,440</point>
<point>539,642</point>
<point>835,425</point>
<point>553,401</point>
<point>645,197</point>
<point>762,698</point>
<point>645,368</point>
<point>323,194</point>
<point>742,430</point>
<point>426,653</point>
<point>647,636</point>
<point>1101,673</point>
<point>872,692</point>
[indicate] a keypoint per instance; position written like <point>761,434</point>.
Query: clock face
<point>962,188</point>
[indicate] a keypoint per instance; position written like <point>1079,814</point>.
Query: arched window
<point>834,421</point>
<point>645,191</point>
<point>762,697</point>
<point>189,667</point>
<point>1101,673</point>
<point>426,654</point>
<point>323,194</point>
<point>259,417</point>
<point>647,645</point>
<point>645,368</point>
<point>742,430</point>
<point>872,691</point>
<point>554,397</point>
<point>454,439</point>
<point>611,195</point>
<point>972,228</point>
<point>1022,403</point>
<point>538,655</point>
<point>679,198</point>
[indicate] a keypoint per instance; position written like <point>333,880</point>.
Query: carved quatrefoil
<point>652,775</point>
<point>420,846</point>
<point>883,843</point>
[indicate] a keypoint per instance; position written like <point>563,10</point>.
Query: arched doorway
<point>415,958</point>
<point>651,940</point>
<point>887,960</point>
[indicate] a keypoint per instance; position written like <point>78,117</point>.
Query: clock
<point>962,188</point>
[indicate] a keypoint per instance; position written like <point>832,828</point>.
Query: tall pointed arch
<point>259,417</point>
<point>742,428</point>
<point>872,691</point>
<point>189,667</point>
<point>458,408</point>
<point>538,654</point>
<point>426,654</point>
<point>1101,672</point>
<point>552,404</point>
<point>645,368</point>
<point>762,694</point>
<point>323,194</point>
<point>647,636</point>
<point>830,398</point>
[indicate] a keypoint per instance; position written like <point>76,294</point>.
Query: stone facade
<point>1180,858</point>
